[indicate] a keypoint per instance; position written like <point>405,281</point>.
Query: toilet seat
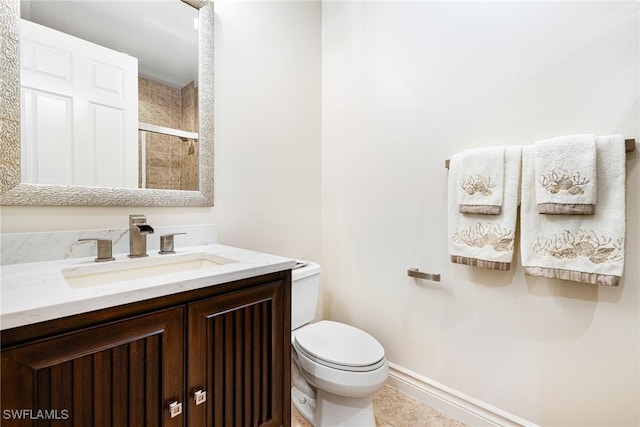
<point>341,382</point>
<point>339,346</point>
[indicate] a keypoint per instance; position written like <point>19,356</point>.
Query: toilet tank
<point>305,286</point>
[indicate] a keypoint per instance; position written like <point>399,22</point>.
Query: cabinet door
<point>239,354</point>
<point>124,373</point>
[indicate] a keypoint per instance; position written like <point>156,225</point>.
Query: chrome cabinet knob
<point>200,397</point>
<point>167,244</point>
<point>175,409</point>
<point>104,249</point>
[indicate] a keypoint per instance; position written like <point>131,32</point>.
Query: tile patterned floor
<point>396,409</point>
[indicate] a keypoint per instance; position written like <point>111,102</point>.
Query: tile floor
<point>396,409</point>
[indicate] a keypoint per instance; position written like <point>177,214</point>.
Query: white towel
<point>566,175</point>
<point>481,181</point>
<point>481,240</point>
<point>583,248</point>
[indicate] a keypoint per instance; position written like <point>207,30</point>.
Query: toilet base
<point>331,410</point>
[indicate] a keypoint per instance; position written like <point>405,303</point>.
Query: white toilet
<point>335,368</point>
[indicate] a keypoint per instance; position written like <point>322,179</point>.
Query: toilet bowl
<point>336,368</point>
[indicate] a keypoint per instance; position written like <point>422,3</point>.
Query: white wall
<point>406,85</point>
<point>24,219</point>
<point>267,97</point>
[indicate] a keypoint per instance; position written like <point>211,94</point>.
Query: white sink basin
<point>139,268</point>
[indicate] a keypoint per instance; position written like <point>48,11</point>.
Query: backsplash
<point>31,247</point>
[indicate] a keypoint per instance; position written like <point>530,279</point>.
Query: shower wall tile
<point>143,84</point>
<point>170,163</point>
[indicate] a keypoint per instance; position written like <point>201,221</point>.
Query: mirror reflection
<point>109,94</point>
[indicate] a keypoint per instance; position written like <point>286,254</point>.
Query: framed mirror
<point>192,142</point>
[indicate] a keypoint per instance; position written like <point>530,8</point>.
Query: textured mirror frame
<point>13,192</point>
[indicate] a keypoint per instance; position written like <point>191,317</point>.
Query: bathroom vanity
<point>205,346</point>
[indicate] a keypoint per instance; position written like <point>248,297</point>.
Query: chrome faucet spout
<point>143,228</point>
<point>138,230</point>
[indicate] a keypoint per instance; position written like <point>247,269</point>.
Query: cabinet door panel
<point>123,373</point>
<point>238,354</point>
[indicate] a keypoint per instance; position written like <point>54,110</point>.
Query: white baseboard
<point>453,403</point>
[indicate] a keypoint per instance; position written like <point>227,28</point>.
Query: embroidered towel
<point>566,175</point>
<point>481,181</point>
<point>480,240</point>
<point>582,248</point>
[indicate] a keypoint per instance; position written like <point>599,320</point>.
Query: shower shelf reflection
<point>168,158</point>
<point>182,134</point>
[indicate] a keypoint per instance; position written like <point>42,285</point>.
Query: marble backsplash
<point>44,246</point>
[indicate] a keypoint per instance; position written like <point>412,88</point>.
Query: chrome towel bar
<point>630,145</point>
<point>414,272</point>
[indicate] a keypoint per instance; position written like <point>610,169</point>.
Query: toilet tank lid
<point>304,269</point>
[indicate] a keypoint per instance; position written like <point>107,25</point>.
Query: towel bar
<point>414,272</point>
<point>630,145</point>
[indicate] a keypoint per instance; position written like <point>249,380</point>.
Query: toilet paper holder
<point>414,272</point>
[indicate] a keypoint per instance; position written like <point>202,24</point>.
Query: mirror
<point>191,142</point>
<point>109,93</point>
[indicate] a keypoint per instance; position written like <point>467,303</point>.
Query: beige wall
<point>405,86</point>
<point>21,219</point>
<point>267,91</point>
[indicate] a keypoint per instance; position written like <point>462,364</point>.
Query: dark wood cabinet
<point>118,374</point>
<point>125,365</point>
<point>237,354</point>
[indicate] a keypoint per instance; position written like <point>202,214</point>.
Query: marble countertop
<point>37,291</point>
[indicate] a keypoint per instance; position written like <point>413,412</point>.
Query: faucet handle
<point>104,249</point>
<point>166,243</point>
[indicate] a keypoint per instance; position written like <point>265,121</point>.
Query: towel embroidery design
<point>561,180</point>
<point>499,238</point>
<point>477,184</point>
<point>598,249</point>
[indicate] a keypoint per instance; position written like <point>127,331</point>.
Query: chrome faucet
<point>166,243</point>
<point>138,230</point>
<point>103,247</point>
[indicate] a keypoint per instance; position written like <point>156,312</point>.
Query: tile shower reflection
<point>166,161</point>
